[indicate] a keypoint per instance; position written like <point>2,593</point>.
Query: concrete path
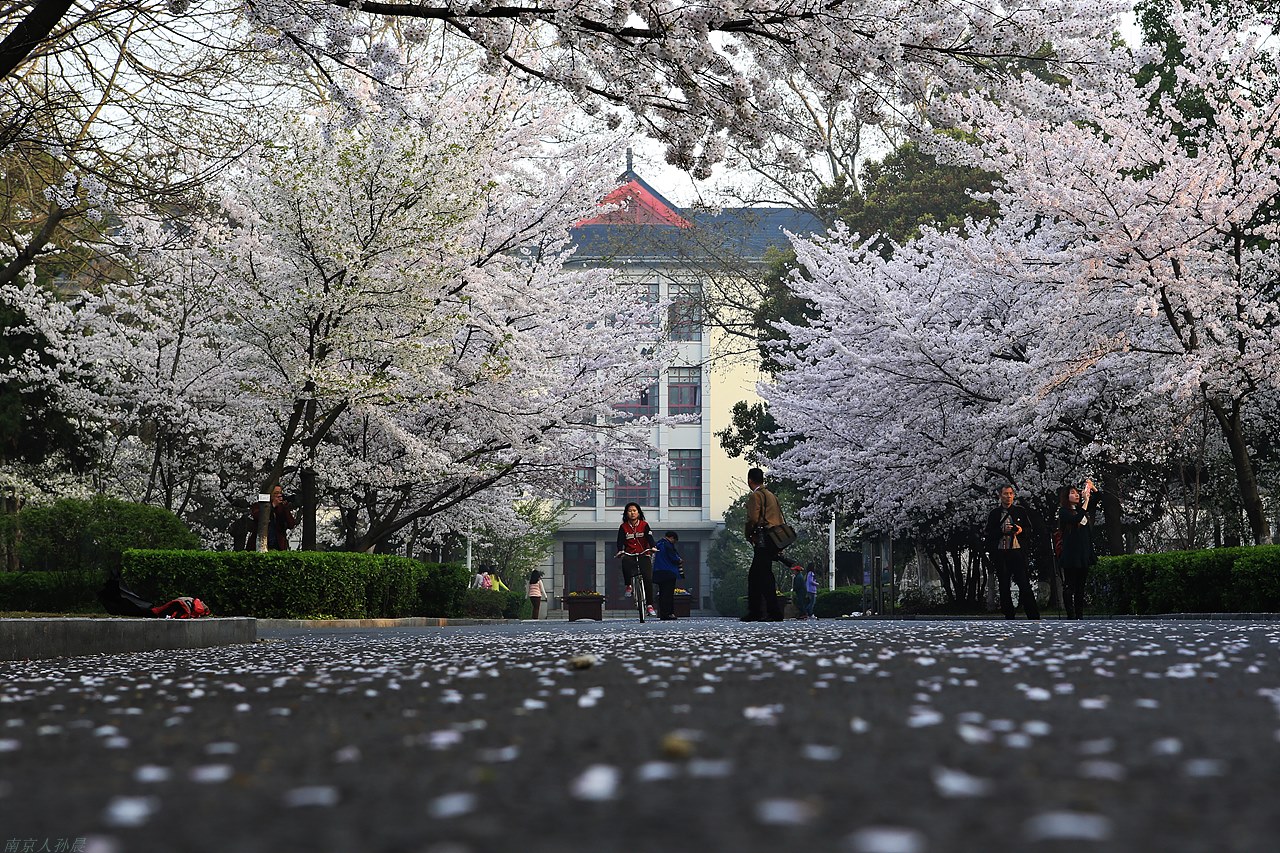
<point>703,734</point>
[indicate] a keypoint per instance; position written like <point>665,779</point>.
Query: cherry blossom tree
<point>1130,278</point>
<point>384,311</point>
<point>693,73</point>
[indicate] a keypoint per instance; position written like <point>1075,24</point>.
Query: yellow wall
<point>730,380</point>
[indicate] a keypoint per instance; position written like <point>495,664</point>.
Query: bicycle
<point>637,580</point>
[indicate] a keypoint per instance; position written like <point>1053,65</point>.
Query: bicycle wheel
<point>637,588</point>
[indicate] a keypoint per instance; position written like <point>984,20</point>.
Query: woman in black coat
<point>1075,523</point>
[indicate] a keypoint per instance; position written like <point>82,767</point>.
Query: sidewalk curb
<point>350,624</point>
<point>1057,617</point>
<point>41,638</point>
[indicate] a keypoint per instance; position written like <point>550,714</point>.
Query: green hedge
<point>831,603</point>
<point>840,601</point>
<point>50,592</point>
<point>492,604</point>
<point>1216,580</point>
<point>73,535</point>
<point>299,584</point>
<point>442,591</point>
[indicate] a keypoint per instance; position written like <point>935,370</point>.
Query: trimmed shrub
<point>1188,581</point>
<point>73,535</point>
<point>290,584</point>
<point>50,592</point>
<point>1115,585</point>
<point>442,589</point>
<point>1210,581</point>
<point>516,605</point>
<point>483,604</point>
<point>1255,581</point>
<point>729,595</point>
<point>837,602</point>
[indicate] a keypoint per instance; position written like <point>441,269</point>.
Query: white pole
<point>469,553</point>
<point>831,555</point>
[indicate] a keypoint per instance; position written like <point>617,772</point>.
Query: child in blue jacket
<point>668,567</point>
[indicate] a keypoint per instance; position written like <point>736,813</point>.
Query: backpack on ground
<point>183,607</point>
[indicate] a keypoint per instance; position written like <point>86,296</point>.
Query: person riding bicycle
<point>635,547</point>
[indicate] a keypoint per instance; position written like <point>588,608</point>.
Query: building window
<point>583,491</point>
<point>684,391</point>
<point>645,402</point>
<point>579,566</point>
<point>684,483</point>
<point>685,317</point>
<point>639,487</point>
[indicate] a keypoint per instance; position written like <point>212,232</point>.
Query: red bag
<point>1057,543</point>
<point>185,607</point>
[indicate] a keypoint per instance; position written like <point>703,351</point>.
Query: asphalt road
<point>707,735</point>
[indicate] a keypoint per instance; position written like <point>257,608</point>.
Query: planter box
<point>683,606</point>
<point>585,607</point>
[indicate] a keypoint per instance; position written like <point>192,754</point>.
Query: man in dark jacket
<point>1008,536</point>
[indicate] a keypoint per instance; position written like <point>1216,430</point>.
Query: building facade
<point>666,255</point>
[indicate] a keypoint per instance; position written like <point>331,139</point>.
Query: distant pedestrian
<point>1075,525</point>
<point>763,512</point>
<point>635,551</point>
<point>799,591</point>
<point>668,568</point>
<point>537,592</point>
<point>278,527</point>
<point>804,590</point>
<point>1007,525</point>
<point>811,587</point>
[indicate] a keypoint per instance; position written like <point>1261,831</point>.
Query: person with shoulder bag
<point>763,515</point>
<point>1008,531</point>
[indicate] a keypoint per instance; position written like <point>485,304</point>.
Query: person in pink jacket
<point>537,592</point>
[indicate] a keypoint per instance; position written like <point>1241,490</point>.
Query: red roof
<point>636,205</point>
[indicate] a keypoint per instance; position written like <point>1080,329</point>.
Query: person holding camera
<point>763,512</point>
<point>282,521</point>
<point>1008,537</point>
<point>1075,518</point>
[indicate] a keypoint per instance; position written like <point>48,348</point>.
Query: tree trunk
<point>1111,518</point>
<point>1246,476</point>
<point>31,30</point>
<point>307,491</point>
<point>264,519</point>
<point>12,503</point>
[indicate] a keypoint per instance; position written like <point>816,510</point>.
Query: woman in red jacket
<point>635,548</point>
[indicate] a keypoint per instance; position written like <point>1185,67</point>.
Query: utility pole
<point>831,554</point>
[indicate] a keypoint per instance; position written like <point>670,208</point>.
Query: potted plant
<point>683,603</point>
<point>585,604</point>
